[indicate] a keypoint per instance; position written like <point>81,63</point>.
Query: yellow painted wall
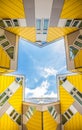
<point>35,122</point>
<point>49,122</point>
<point>6,123</point>
<point>4,59</point>
<point>66,100</point>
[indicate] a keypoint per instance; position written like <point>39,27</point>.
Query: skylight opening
<point>40,67</point>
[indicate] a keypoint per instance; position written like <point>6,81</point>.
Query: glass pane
<point>80,37</point>
<point>64,120</point>
<point>2,95</point>
<point>15,116</point>
<point>5,99</point>
<point>5,44</point>
<point>75,23</point>
<point>2,23</point>
<point>38,24</point>
<point>12,113</point>
<point>79,94</point>
<point>8,23</point>
<point>68,23</point>
<point>67,115</point>
<point>70,112</point>
<point>2,38</point>
<point>45,24</point>
<point>19,120</point>
<point>73,51</point>
<point>10,52</point>
<point>80,25</point>
<point>78,44</point>
<point>78,99</point>
<point>16,22</point>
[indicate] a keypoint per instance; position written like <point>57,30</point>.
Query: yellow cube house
<point>41,116</point>
<point>11,96</point>
<point>8,51</point>
<point>74,51</point>
<point>70,96</point>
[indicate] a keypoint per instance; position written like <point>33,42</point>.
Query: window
<point>80,37</point>
<point>73,51</point>
<point>70,112</point>
<point>2,95</point>
<point>10,52</point>
<point>68,23</point>
<point>15,21</point>
<point>38,24</point>
<point>15,116</point>
<point>46,21</point>
<point>80,25</point>
<point>4,100</point>
<point>75,23</point>
<point>2,37</point>
<point>67,115</point>
<point>13,111</point>
<point>64,120</point>
<point>5,44</point>
<point>2,23</point>
<point>8,23</point>
<point>77,43</point>
<point>19,120</point>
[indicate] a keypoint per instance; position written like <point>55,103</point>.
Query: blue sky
<point>40,67</point>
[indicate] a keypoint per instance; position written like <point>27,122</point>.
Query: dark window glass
<point>78,44</point>
<point>16,22</point>
<point>80,25</point>
<point>68,23</point>
<point>10,52</point>
<point>8,23</point>
<point>79,94</point>
<point>70,112</point>
<point>80,37</point>
<point>73,52</point>
<point>5,99</point>
<point>78,99</point>
<point>2,95</point>
<point>12,112</point>
<point>15,116</point>
<point>2,38</point>
<point>64,120</point>
<point>2,24</point>
<point>74,89</point>
<point>19,120</point>
<point>67,115</point>
<point>5,44</point>
<point>75,23</point>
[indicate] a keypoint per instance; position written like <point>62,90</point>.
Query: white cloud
<point>46,72</point>
<point>40,91</point>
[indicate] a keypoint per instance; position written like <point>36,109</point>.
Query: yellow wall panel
<point>6,123</point>
<point>76,80</point>
<point>48,121</point>
<point>16,100</point>
<point>55,33</point>
<point>28,33</point>
<point>78,59</point>
<point>75,123</point>
<point>72,9</point>
<point>65,99</point>
<point>11,9</point>
<point>35,122</point>
<point>4,59</point>
<point>5,81</point>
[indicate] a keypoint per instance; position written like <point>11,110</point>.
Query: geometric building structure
<point>11,97</point>
<point>41,21</point>
<point>73,42</point>
<point>70,96</point>
<point>8,51</point>
<point>41,116</point>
